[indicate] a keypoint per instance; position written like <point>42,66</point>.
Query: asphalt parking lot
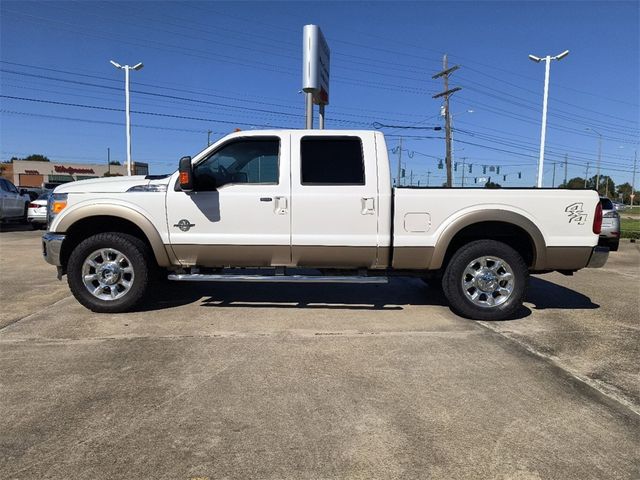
<point>318,382</point>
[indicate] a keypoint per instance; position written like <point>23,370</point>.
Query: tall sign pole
<point>315,72</point>
<point>543,133</point>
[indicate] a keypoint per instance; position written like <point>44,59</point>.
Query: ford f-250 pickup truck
<point>278,201</point>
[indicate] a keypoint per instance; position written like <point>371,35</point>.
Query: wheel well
<point>514,236</point>
<point>89,226</point>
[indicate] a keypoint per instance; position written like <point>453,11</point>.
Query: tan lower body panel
<point>334,256</point>
<point>567,258</point>
<point>233,255</point>
<point>281,255</point>
<point>412,258</point>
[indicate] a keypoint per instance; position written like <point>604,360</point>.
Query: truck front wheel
<point>485,280</point>
<point>109,272</point>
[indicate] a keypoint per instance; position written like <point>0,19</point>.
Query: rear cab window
<point>331,160</point>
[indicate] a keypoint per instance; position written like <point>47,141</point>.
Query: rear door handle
<point>266,199</point>
<point>368,206</point>
<point>281,206</point>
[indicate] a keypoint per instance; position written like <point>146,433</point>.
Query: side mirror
<point>186,174</point>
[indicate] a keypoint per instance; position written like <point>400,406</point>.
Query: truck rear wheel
<point>485,280</point>
<point>109,272</point>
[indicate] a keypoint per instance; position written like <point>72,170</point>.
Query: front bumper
<point>599,257</point>
<point>51,248</point>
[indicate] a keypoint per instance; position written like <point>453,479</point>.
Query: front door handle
<point>368,206</point>
<point>281,206</point>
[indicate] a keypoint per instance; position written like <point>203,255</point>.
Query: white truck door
<point>239,211</point>
<point>334,220</point>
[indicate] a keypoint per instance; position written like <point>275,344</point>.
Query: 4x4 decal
<point>576,213</point>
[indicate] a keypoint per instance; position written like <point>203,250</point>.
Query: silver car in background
<point>610,233</point>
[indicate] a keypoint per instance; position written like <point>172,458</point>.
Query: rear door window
<point>331,161</point>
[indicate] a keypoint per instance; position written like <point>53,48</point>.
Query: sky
<point>218,66</point>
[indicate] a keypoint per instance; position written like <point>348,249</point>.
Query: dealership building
<point>34,174</point>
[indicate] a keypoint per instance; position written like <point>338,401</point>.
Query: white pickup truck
<point>258,206</point>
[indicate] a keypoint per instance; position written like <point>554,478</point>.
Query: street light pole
<point>543,133</point>
<point>126,69</point>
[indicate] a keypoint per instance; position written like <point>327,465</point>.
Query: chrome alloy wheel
<point>488,281</point>
<point>107,274</point>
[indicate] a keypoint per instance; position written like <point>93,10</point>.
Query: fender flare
<point>120,211</point>
<point>504,216</point>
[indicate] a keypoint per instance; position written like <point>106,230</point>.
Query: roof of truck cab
<point>303,130</point>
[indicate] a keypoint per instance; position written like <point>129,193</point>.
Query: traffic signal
<point>440,166</point>
<point>498,170</point>
<point>470,167</point>
<point>484,169</point>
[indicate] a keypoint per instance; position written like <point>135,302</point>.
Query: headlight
<point>57,202</point>
<point>148,188</point>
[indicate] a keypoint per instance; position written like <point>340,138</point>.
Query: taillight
<point>597,219</point>
<point>34,205</point>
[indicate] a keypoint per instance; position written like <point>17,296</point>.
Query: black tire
<point>139,257</point>
<point>23,219</point>
<point>459,300</point>
<point>614,245</point>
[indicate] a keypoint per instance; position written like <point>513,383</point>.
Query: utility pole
<point>599,155</point>
<point>463,160</point>
<point>446,71</point>
<point>411,178</point>
<point>553,179</point>
<point>566,161</point>
<point>586,176</point>
<point>399,163</point>
<point>429,177</point>
<point>633,182</point>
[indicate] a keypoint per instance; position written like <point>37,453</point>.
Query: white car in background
<point>37,212</point>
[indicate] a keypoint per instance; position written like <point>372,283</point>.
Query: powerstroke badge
<point>576,213</point>
<point>184,225</point>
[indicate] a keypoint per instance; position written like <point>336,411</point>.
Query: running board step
<point>200,277</point>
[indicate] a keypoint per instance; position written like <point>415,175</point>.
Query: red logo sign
<point>72,170</point>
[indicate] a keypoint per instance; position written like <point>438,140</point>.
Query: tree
<point>110,174</point>
<point>36,157</point>
<point>491,184</point>
<point>115,162</point>
<point>624,191</point>
<point>574,184</point>
<point>607,186</point>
